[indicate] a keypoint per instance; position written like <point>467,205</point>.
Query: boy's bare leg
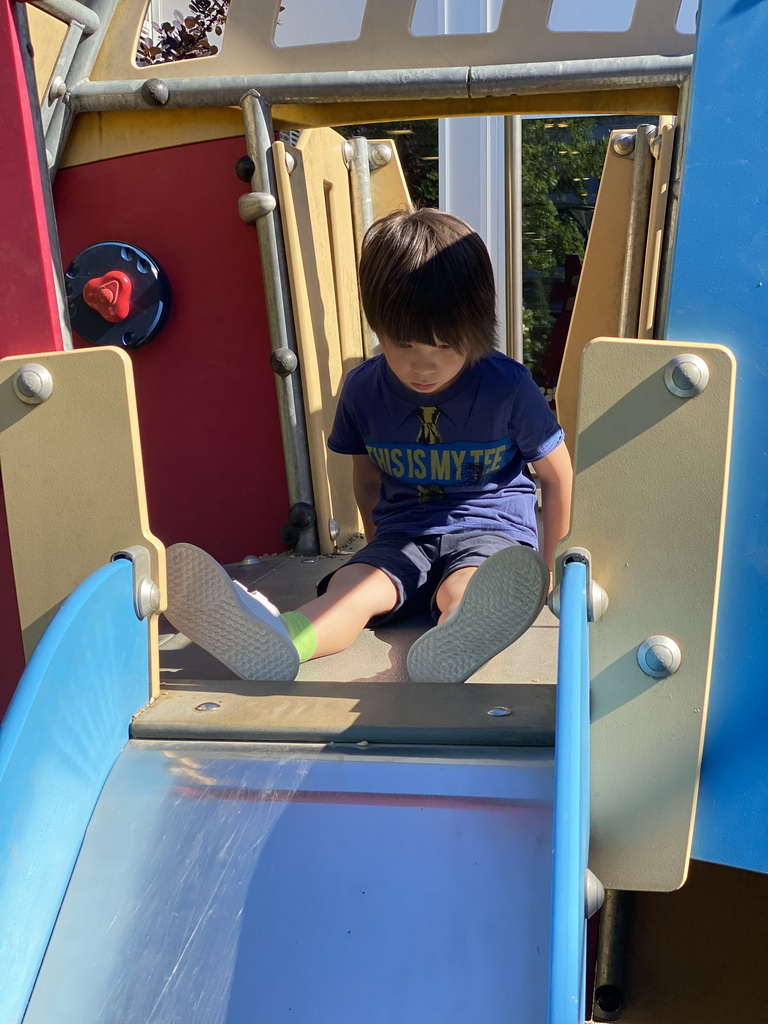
<point>451,590</point>
<point>355,594</point>
<point>483,610</point>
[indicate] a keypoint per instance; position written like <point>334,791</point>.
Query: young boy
<point>440,427</point>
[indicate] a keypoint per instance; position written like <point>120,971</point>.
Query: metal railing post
<point>259,138</point>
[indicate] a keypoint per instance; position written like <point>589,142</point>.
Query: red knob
<point>109,295</point>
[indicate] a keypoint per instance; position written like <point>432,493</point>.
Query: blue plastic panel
<point>245,883</point>
<point>720,294</point>
<point>68,721</point>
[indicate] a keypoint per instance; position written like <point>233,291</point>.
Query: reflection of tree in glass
<point>417,147</point>
<point>183,38</point>
<point>562,162</point>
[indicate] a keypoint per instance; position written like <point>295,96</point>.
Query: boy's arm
<point>366,483</point>
<point>556,476</point>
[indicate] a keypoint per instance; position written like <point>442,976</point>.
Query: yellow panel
<point>73,481</point>
<point>389,190</point>
<point>46,34</point>
<point>111,134</point>
<point>649,499</point>
<point>643,102</point>
<point>598,300</point>
<point>317,224</point>
<point>118,133</point>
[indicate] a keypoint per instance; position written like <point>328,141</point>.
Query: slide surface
<point>234,883</point>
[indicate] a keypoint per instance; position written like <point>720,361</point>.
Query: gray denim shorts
<point>418,565</point>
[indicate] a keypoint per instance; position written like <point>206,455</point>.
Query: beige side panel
<point>73,481</point>
<point>383,39</point>
<point>663,146</point>
<point>46,34</point>
<point>651,474</point>
<point>389,190</point>
<point>598,300</point>
<point>320,246</point>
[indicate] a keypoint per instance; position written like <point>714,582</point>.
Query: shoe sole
<point>203,605</point>
<point>501,602</point>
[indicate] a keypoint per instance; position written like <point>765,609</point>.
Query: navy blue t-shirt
<point>455,460</point>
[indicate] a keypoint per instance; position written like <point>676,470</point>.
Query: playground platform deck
<point>377,655</point>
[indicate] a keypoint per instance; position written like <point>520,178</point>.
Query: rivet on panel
<point>209,705</point>
<point>32,383</point>
<point>686,376</point>
<point>659,656</point>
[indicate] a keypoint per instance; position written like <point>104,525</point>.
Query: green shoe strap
<point>302,633</point>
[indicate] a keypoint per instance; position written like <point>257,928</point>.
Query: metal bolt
<point>155,92</point>
<point>659,656</point>
<point>499,712</point>
<point>379,155</point>
<point>655,145</point>
<point>209,705</point>
<point>624,145</point>
<point>57,88</point>
<point>348,152</point>
<point>32,383</point>
<point>290,162</point>
<point>253,205</point>
<point>250,560</point>
<point>283,361</point>
<point>333,530</point>
<point>686,376</point>
<point>147,598</point>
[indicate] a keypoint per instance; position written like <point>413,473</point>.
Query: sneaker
<point>501,602</point>
<point>241,629</point>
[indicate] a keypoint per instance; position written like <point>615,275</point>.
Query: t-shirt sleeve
<point>345,436</point>
<point>532,425</point>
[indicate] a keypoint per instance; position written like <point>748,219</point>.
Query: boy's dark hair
<point>426,277</point>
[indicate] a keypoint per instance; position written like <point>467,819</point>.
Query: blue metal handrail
<point>571,804</point>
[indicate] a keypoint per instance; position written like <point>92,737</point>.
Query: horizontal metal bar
<point>69,11</point>
<point>399,83</point>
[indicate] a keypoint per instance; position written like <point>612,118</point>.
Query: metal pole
<point>390,84</point>
<point>513,232</point>
<point>362,217</point>
<point>609,970</point>
<point>80,67</point>
<point>69,11</point>
<point>637,232</point>
<point>259,138</point>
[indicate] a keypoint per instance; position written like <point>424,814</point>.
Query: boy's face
<point>424,369</point>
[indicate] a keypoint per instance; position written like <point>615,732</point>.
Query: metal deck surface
<point>377,655</point>
<point>249,883</point>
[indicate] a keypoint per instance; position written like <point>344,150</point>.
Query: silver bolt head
<point>348,152</point>
<point>686,376</point>
<point>659,656</point>
<point>32,383</point>
<point>290,162</point>
<point>253,205</point>
<point>379,155</point>
<point>57,88</point>
<point>208,705</point>
<point>624,144</point>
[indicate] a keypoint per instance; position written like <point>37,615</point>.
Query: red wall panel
<point>206,395</point>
